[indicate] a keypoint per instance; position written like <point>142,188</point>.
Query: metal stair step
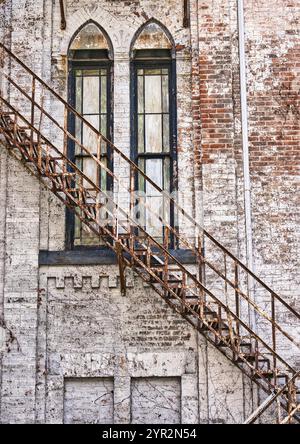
<point>269,374</point>
<point>216,325</point>
<point>251,357</point>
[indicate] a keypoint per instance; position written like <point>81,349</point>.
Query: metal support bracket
<point>63,23</point>
<point>122,267</point>
<point>186,13</point>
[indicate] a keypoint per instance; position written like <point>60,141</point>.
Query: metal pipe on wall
<point>246,166</point>
<point>244,115</point>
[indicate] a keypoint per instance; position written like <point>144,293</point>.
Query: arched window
<point>153,95</point>
<point>90,93</point>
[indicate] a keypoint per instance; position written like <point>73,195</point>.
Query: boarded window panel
<point>165,94</point>
<point>78,163</point>
<point>141,212</point>
<point>154,209</point>
<point>166,201</point>
<point>103,130</point>
<point>103,177</point>
<point>104,125</point>
<point>154,172</point>
<point>167,174</point>
<point>90,95</point>
<point>90,169</point>
<point>141,179</point>
<point>103,94</point>
<point>149,72</point>
<point>141,145</point>
<point>89,136</point>
<point>153,94</point>
<point>78,135</point>
<point>153,133</point>
<point>78,106</point>
<point>140,94</point>
<point>88,237</point>
<point>90,72</point>
<point>166,132</point>
<point>154,200</point>
<point>78,87</point>
<point>77,232</point>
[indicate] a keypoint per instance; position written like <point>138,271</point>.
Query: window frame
<point>73,64</point>
<point>153,61</point>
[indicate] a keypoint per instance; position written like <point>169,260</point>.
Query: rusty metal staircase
<point>226,302</point>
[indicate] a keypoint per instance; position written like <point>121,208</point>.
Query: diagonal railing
<point>216,294</point>
<point>270,409</point>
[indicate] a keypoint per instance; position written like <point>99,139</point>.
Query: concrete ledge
<point>89,256</point>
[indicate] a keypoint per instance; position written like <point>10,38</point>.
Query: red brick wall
<point>273,85</point>
<point>273,68</point>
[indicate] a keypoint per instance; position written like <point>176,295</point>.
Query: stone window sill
<point>93,256</point>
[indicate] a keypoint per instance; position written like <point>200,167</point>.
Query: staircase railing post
<point>184,288</point>
<point>98,179</point>
<point>273,315</point>
<point>32,111</point>
<point>132,198</point>
<point>237,297</point>
<point>201,264</point>
<point>166,258</point>
<point>65,146</point>
<point>15,126</point>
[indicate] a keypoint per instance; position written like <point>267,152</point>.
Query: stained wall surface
<point>73,348</point>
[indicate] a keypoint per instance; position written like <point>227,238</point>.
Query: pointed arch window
<point>154,139</point>
<point>90,93</point>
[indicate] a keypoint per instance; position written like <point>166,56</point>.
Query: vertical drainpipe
<point>244,115</point>
<point>246,168</point>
